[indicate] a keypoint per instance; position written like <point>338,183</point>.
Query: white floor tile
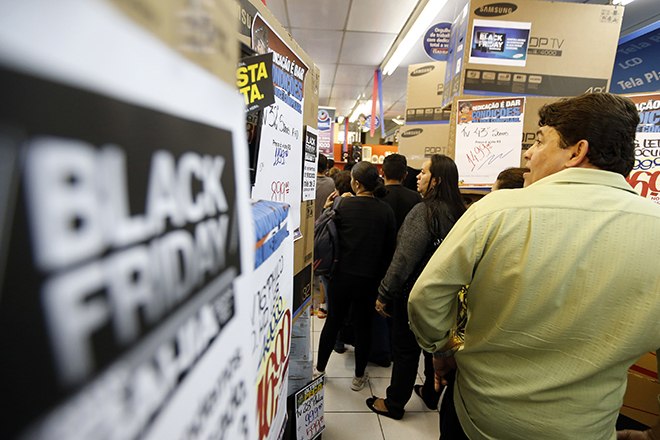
<point>349,426</point>
<point>415,404</point>
<point>413,426</point>
<point>340,365</point>
<point>339,397</point>
<point>376,371</point>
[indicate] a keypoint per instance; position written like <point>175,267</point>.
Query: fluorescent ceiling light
<point>421,24</point>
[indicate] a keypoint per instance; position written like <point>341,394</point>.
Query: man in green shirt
<point>564,289</point>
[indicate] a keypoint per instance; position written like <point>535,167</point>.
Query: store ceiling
<point>348,40</point>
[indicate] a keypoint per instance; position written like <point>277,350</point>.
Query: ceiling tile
<point>352,75</point>
<point>365,48</point>
<point>321,46</point>
<point>318,14</point>
<point>350,93</point>
<point>386,16</point>
<point>327,72</point>
<point>324,90</point>
<point>276,7</point>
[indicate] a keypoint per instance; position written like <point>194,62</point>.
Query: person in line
<point>401,200</point>
<point>510,178</point>
<point>342,189</point>
<point>564,292</point>
<point>366,229</point>
<point>425,226</point>
<point>324,185</point>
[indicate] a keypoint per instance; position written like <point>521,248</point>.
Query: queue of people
<point>531,305</point>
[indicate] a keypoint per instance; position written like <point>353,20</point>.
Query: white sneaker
<point>317,373</point>
<point>359,382</point>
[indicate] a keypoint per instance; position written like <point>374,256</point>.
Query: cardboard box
<point>204,32</point>
<point>532,48</point>
<point>640,402</point>
<point>419,142</point>
<point>426,129</point>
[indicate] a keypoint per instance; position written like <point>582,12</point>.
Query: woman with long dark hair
<point>367,237</point>
<point>423,229</point>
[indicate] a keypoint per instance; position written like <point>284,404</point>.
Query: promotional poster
<point>488,135</point>
<point>270,318</point>
<point>325,127</point>
<point>503,43</point>
<point>436,41</point>
<point>278,176</point>
<point>644,175</point>
<point>255,82</point>
<point>125,225</point>
<point>309,163</point>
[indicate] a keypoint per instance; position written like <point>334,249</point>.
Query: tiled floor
<point>346,414</point>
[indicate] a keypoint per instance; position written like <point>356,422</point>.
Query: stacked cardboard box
<point>532,48</point>
<point>426,130</point>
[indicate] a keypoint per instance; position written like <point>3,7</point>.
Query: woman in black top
<point>367,237</point>
<point>423,229</point>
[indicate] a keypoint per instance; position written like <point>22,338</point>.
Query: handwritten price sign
<point>479,153</point>
<point>488,139</point>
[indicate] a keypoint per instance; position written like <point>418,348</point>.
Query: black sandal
<point>370,404</point>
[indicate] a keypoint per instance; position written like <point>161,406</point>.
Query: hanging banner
<point>436,41</point>
<point>125,226</point>
<point>326,131</point>
<point>310,414</point>
<point>278,174</point>
<point>271,322</point>
<point>644,175</point>
<point>309,164</point>
<point>637,65</point>
<point>502,43</point>
<point>487,138</point>
<point>255,82</point>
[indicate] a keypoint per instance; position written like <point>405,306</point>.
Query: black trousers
<point>361,293</point>
<point>450,426</point>
<point>406,353</point>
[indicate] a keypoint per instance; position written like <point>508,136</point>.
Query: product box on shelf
<point>532,48</point>
<point>426,130</point>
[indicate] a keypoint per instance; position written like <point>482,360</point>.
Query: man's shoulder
<point>402,192</point>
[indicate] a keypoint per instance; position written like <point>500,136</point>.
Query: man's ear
<point>579,155</point>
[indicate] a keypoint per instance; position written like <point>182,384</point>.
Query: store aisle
<point>346,414</point>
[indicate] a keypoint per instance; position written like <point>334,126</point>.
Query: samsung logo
<point>495,9</point>
<point>422,71</point>
<point>411,133</point>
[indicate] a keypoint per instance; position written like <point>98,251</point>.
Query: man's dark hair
<point>511,178</point>
<point>343,182</point>
<point>395,167</point>
<point>608,122</point>
<point>331,163</point>
<point>323,164</point>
